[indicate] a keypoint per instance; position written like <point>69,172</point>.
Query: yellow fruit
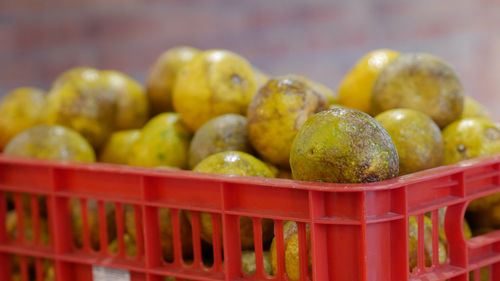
<point>20,109</point>
<point>76,74</point>
<point>470,138</point>
<point>166,234</point>
<point>86,105</point>
<point>260,78</point>
<point>51,142</point>
<point>164,141</point>
<point>215,82</point>
<point>118,147</point>
<point>248,263</point>
<point>473,109</point>
<point>29,232</point>
<point>416,137</point>
<point>163,75</point>
<point>223,133</point>
<point>291,242</point>
<point>242,164</point>
<point>131,100</point>
<point>234,163</point>
<point>331,97</point>
<point>276,114</point>
<point>345,146</point>
<point>413,243</point>
<point>356,88</point>
<point>422,82</point>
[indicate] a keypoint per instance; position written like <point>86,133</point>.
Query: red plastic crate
<point>359,232</point>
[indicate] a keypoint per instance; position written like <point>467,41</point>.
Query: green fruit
<point>224,133</point>
<point>416,137</point>
<point>422,82</point>
<point>345,146</point>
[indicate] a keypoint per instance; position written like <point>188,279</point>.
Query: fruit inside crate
<point>356,232</point>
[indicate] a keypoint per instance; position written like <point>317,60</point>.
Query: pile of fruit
<point>212,111</point>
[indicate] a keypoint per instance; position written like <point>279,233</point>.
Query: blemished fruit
<point>164,141</point>
<point>223,133</point>
<point>291,243</point>
<point>343,145</point>
<point>277,112</point>
<point>85,104</point>
<point>470,138</point>
<point>241,164</point>
<point>163,75</point>
<point>166,231</point>
<point>416,137</point>
<point>20,109</point>
<point>413,243</point>
<point>214,83</point>
<point>118,147</point>
<point>248,264</point>
<point>422,82</point>
<point>51,142</point>
<point>473,109</point>
<point>131,100</point>
<point>76,73</point>
<point>234,163</point>
<point>355,90</point>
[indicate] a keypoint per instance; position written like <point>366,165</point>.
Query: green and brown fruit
<point>343,145</point>
<point>291,243</point>
<point>224,133</point>
<point>214,83</point>
<point>277,112</point>
<point>413,244</point>
<point>163,75</point>
<point>51,142</point>
<point>248,264</point>
<point>164,141</point>
<point>118,147</point>
<point>416,137</point>
<point>166,231</point>
<point>241,164</point>
<point>20,109</point>
<point>422,82</point>
<point>470,138</point>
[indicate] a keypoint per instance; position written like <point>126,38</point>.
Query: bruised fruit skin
<point>473,109</point>
<point>416,137</point>
<point>291,242</point>
<point>163,74</point>
<point>470,138</point>
<point>343,145</point>
<point>355,90</point>
<point>132,102</point>
<point>86,105</point>
<point>215,82</point>
<point>51,142</point>
<point>422,82</point>
<point>241,164</point>
<point>223,133</point>
<point>20,109</point>
<point>164,141</point>
<point>117,148</point>
<point>277,112</point>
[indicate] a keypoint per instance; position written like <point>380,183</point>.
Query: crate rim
<point>394,183</point>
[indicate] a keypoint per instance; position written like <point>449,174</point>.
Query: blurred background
<point>319,39</point>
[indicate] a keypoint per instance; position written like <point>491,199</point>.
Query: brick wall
<point>321,39</point>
